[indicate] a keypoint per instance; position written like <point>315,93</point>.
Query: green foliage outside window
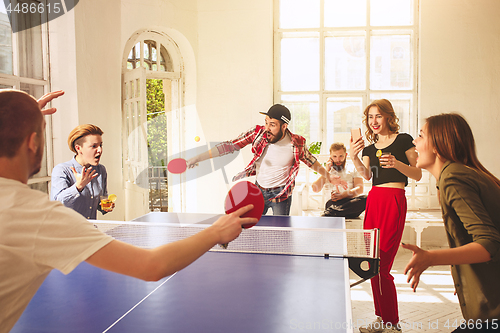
<point>315,147</point>
<point>157,123</point>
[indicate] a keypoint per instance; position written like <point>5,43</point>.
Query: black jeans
<point>349,208</point>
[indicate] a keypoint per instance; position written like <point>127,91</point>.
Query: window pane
<point>342,13</point>
<point>146,48</point>
<point>342,114</point>
<point>345,63</point>
<point>166,63</point>
<point>44,187</point>
<point>34,90</point>
<point>127,130</point>
<point>30,45</point>
<point>133,133</point>
<point>138,130</point>
<point>402,104</point>
<point>157,122</point>
<point>299,14</point>
<point>391,12</point>
<point>305,116</point>
<point>5,42</point>
<point>300,64</point>
<point>153,53</point>
<point>390,61</point>
<point>137,49</point>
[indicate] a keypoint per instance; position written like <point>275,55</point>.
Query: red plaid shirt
<point>257,136</point>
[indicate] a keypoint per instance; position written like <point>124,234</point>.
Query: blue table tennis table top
<point>220,292</point>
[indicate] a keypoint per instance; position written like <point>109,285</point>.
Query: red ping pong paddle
<point>242,194</point>
<point>177,165</point>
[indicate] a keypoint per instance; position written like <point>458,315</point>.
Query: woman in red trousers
<point>388,162</point>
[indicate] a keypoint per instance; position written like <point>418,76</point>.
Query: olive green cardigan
<point>470,203</point>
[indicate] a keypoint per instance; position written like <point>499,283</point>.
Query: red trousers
<point>386,210</point>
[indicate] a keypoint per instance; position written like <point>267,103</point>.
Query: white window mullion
<point>414,124</point>
<point>368,37</point>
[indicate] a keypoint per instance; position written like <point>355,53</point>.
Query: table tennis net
<point>357,243</point>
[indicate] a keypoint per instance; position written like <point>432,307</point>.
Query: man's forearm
<point>319,169</point>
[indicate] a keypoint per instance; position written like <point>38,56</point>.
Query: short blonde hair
<point>79,133</point>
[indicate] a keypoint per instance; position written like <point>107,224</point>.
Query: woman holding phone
<point>469,196</point>
<point>388,162</point>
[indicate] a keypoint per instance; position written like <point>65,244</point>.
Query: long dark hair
<point>452,137</point>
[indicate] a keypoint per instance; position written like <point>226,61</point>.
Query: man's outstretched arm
<point>155,264</point>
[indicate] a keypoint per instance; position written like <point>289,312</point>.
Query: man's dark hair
<point>20,116</point>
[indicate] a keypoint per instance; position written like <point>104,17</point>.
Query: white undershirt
<point>273,167</point>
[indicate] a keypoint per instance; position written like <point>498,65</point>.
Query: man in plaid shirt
<point>277,155</point>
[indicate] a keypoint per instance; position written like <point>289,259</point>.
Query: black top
<point>398,148</point>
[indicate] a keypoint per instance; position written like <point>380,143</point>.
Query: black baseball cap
<point>280,112</point>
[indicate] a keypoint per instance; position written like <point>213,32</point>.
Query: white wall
<point>460,68</point>
<point>235,81</point>
<point>63,53</point>
<point>99,83</point>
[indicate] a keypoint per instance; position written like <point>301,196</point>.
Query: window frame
<point>16,81</point>
<point>174,72</point>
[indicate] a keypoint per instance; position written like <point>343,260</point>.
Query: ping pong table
<point>220,292</point>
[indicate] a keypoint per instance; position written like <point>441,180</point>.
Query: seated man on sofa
<point>344,203</point>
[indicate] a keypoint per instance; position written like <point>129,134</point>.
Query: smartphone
<point>355,134</point>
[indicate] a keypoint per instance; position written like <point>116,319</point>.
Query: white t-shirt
<point>273,167</point>
<point>36,236</point>
<point>348,174</point>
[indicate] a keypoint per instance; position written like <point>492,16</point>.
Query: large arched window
<point>152,89</point>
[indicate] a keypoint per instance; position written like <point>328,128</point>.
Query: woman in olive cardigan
<point>469,196</point>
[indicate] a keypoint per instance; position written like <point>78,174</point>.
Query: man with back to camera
<point>349,203</point>
<point>38,235</point>
<point>277,155</point>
